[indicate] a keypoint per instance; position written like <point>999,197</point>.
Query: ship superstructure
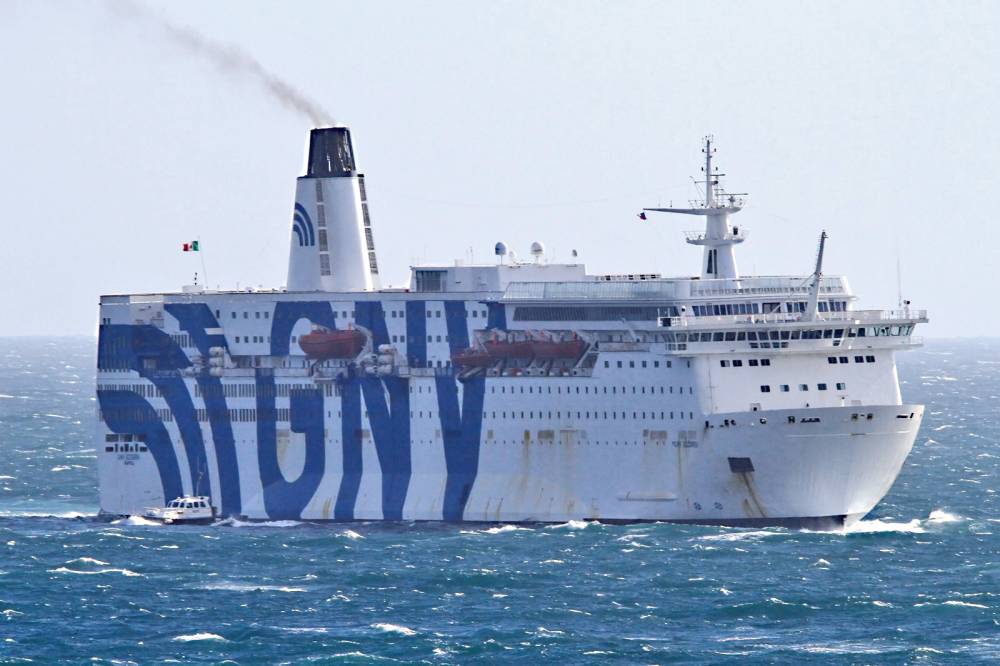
<point>513,391</point>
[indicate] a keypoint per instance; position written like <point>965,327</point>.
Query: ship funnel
<point>332,246</point>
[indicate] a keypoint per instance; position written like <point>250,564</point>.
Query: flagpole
<point>201,254</point>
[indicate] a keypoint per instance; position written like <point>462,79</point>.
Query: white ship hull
<point>510,392</point>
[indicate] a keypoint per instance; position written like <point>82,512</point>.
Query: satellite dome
<point>537,249</point>
<point>500,249</point>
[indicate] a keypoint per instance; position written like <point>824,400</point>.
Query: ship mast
<point>719,237</point>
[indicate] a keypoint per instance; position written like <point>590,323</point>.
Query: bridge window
<point>765,389</point>
<point>841,386</point>
<point>820,387</point>
<point>429,280</point>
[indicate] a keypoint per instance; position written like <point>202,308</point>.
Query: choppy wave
<point>501,529</point>
<point>137,521</point>
<point>67,570</point>
<point>88,560</point>
<point>230,586</point>
<point>573,525</point>
<point>394,629</point>
<point>202,636</point>
<point>234,522</point>
<point>42,514</point>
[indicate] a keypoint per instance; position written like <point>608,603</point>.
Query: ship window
<point>717,337</point>
<point>859,359</point>
<point>246,315</point>
<point>831,359</point>
<point>233,314</point>
<point>765,361</point>
<point>607,364</point>
<point>724,363</point>
<point>619,364</point>
<point>820,387</point>
<point>765,389</point>
<point>869,359</point>
<point>803,387</point>
<point>737,363</point>
<point>841,386</point>
<point>843,359</point>
<point>784,388</point>
<point>753,363</point>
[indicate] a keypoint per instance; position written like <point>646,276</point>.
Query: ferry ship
<point>515,391</point>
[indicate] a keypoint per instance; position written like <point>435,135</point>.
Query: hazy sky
<point>476,122</point>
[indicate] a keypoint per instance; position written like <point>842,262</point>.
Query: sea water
<point>916,581</point>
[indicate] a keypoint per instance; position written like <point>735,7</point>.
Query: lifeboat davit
<point>558,349</point>
<point>322,344</point>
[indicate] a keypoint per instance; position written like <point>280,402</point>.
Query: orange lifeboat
<point>323,343</point>
<point>549,349</point>
<point>472,358</point>
<point>507,347</point>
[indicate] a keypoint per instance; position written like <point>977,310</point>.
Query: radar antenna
<point>719,237</point>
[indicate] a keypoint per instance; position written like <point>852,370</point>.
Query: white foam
<point>233,522</point>
<point>137,521</point>
<point>393,629</point>
<point>967,604</point>
<point>876,526</point>
<point>123,572</point>
<point>571,525</point>
<point>351,534</point>
<point>506,528</point>
<point>88,560</point>
<point>202,636</point>
<point>942,516</point>
<point>250,587</point>
<point>738,536</point>
<point>821,563</point>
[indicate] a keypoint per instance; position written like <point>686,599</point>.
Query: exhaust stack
<point>332,248</point>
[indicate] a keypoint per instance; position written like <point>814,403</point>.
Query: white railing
<point>697,237</point>
<point>848,316</point>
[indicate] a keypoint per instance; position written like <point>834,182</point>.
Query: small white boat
<point>187,510</point>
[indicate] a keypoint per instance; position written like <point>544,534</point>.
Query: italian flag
<point>191,247</point>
